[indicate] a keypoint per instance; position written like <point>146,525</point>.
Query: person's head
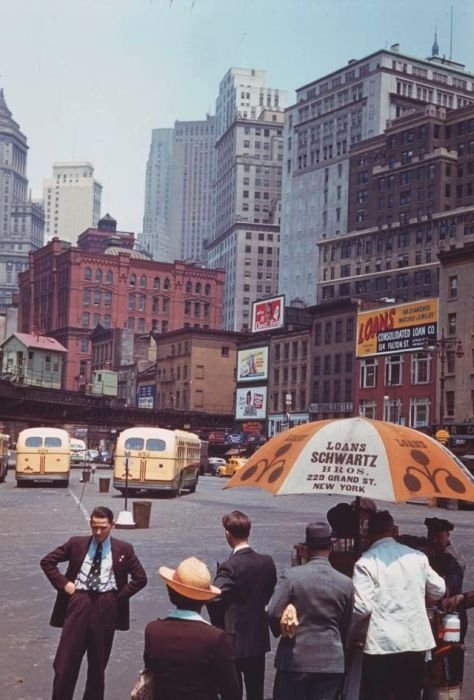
<point>237,527</point>
<point>438,533</point>
<point>102,523</point>
<point>380,525</point>
<point>318,539</point>
<point>189,585</point>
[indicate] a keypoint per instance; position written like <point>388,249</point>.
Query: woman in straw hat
<point>190,659</point>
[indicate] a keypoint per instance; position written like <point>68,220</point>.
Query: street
<point>35,520</point>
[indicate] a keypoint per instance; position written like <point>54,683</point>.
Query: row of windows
<point>334,332</point>
<point>420,370</point>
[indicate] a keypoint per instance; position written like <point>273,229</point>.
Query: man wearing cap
<point>391,581</point>
<point>444,558</point>
<point>310,661</point>
<point>247,580</point>
<point>190,659</point>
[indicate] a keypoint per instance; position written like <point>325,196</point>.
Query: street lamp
<point>443,346</point>
<point>288,402</point>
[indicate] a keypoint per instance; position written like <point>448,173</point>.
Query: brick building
<point>411,195</point>
<point>67,291</point>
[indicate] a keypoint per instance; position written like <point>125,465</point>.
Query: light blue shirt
<point>107,577</point>
<point>187,615</point>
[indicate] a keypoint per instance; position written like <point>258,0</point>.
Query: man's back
<point>391,581</point>
<point>323,601</point>
<point>247,580</point>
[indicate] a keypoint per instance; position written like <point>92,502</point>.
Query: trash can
<point>141,514</point>
<point>86,476</point>
<point>104,485</point>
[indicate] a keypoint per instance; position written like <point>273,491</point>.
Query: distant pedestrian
<point>391,581</point>
<point>190,659</point>
<point>92,602</point>
<point>247,580</point>
<point>310,659</point>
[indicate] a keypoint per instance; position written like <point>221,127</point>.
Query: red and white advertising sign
<point>267,314</point>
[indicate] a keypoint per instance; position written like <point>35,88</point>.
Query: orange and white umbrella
<point>356,457</point>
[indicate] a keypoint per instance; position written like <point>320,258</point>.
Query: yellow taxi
<point>232,465</point>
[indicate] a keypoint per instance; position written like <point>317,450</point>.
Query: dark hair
<point>238,524</point>
<point>103,512</point>
<point>380,522</point>
<point>182,602</point>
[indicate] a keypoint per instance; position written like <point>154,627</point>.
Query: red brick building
<point>67,291</point>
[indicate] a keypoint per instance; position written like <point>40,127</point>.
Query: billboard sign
<point>252,364</point>
<point>146,396</point>
<point>251,403</point>
<point>267,314</point>
<point>399,328</point>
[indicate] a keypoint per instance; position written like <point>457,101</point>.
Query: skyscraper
<point>71,200</point>
<point>155,236</point>
<point>192,179</point>
<point>330,115</point>
<point>21,221</point>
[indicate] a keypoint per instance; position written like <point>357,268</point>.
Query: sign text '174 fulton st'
<point>397,328</point>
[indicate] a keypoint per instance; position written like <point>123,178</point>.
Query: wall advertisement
<point>252,364</point>
<point>251,403</point>
<point>268,314</point>
<point>399,328</point>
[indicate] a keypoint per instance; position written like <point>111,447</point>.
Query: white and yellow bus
<point>43,456</point>
<point>4,441</point>
<point>157,459</point>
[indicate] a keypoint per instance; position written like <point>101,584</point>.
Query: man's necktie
<point>93,577</point>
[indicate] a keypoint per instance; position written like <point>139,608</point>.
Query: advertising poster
<point>268,314</point>
<point>251,403</point>
<point>146,396</point>
<point>398,328</point>
<point>252,364</point>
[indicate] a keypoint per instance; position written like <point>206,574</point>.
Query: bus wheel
<point>179,490</point>
<point>192,489</point>
<point>21,484</point>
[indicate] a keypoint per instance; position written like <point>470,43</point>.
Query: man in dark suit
<point>92,602</point>
<point>190,659</point>
<point>310,658</point>
<point>247,580</point>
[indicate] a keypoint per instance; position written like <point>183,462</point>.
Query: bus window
<point>155,445</point>
<point>52,442</point>
<point>134,443</point>
<point>34,442</point>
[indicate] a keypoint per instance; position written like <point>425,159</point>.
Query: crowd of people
<point>316,612</point>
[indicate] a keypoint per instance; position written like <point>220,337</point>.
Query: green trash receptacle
<point>141,514</point>
<point>104,485</point>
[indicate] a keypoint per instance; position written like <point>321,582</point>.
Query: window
<point>453,287</point>
<point>368,373</point>
<point>87,273</point>
<point>85,320</point>
<point>84,343</point>
<point>393,370</point>
<point>328,332</point>
<point>451,324</point>
<point>450,404</point>
<point>420,368</point>
<point>133,280</point>
<point>419,412</point>
<point>143,281</point>
<point>156,283</point>
<point>166,283</point>
<point>367,408</point>
<point>108,298</point>
<point>98,276</point>
<point>131,302</point>
<point>109,278</point>
<point>86,297</point>
<point>189,287</point>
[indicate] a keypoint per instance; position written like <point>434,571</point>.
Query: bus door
<point>157,462</point>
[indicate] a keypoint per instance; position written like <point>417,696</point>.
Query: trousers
<point>89,628</point>
<point>393,676</point>
<point>252,669</point>
<point>298,685</point>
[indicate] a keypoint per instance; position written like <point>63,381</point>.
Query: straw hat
<point>190,579</point>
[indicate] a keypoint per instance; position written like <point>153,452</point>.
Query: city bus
<point>43,456</point>
<point>157,460</point>
<point>4,440</point>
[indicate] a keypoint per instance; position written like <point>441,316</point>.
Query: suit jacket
<point>323,599</point>
<point>125,564</point>
<point>247,581</point>
<point>191,660</point>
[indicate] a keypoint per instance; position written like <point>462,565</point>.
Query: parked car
<point>91,455</point>
<point>104,459</point>
<point>231,466</point>
<point>213,464</point>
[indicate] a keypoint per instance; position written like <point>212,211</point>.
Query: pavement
<point>35,520</point>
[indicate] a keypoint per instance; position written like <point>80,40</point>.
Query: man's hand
<point>289,621</point>
<point>70,588</point>
<point>450,604</point>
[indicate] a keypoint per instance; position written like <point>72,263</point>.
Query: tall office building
<point>71,200</point>
<point>21,221</point>
<point>192,178</point>
<point>155,237</point>
<point>330,115</point>
<point>243,95</point>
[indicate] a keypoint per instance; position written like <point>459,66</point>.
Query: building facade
<point>67,291</point>
<point>330,116</point>
<point>192,179</point>
<point>411,195</point>
<point>155,237</point>
<point>33,359</point>
<point>71,200</point>
<point>247,220</point>
<point>21,221</point>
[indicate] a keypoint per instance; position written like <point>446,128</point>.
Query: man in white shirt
<point>391,582</point>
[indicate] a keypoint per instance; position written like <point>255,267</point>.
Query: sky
<point>89,79</point>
